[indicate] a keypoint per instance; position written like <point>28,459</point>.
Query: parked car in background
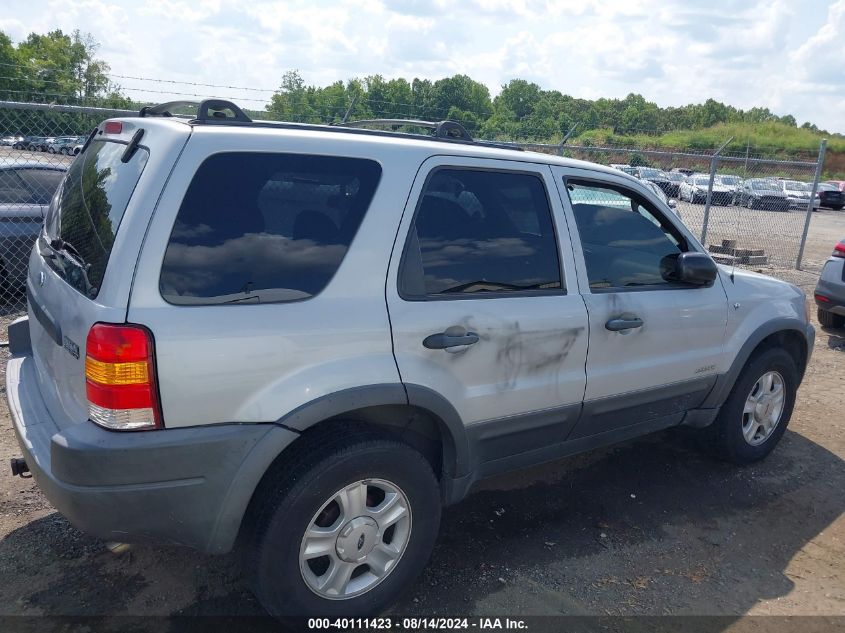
<point>43,143</point>
<point>10,141</point>
<point>657,191</point>
<point>839,184</point>
<point>631,171</point>
<point>682,170</point>
<point>762,193</point>
<point>798,193</point>
<point>729,180</point>
<point>25,191</point>
<point>695,188</point>
<point>830,289</point>
<point>658,177</point>
<point>25,142</point>
<point>830,196</point>
<point>62,145</point>
<point>676,178</point>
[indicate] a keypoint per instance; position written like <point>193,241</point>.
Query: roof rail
<point>224,112</point>
<point>208,111</point>
<point>442,129</point>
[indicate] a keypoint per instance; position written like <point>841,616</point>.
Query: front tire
<point>758,409</point>
<point>342,528</point>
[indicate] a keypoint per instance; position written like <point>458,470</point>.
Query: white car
<point>798,193</point>
<point>694,189</point>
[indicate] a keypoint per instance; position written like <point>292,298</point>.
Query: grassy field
<point>770,140</point>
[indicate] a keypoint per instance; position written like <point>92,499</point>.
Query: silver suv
<point>306,339</point>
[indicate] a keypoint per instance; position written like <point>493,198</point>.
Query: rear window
<point>264,228</point>
<point>86,211</point>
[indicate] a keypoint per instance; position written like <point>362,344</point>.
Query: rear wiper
<point>72,254</point>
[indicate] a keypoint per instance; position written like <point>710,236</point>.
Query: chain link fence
<point>748,210</point>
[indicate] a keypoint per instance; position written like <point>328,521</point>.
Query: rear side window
<point>87,210</point>
<point>481,233</point>
<point>263,228</point>
<point>42,182</point>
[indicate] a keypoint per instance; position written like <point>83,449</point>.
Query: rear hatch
<point>80,271</point>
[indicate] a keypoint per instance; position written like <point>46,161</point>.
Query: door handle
<point>617,325</point>
<point>441,340</point>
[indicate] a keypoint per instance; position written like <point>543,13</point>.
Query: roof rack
<point>224,112</point>
<point>217,110</point>
<point>442,129</point>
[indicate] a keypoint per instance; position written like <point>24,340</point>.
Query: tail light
<point>120,378</point>
<point>839,250</point>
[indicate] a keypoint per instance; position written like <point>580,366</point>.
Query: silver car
<point>307,339</point>
<point>798,194</point>
<point>25,191</point>
<point>830,289</point>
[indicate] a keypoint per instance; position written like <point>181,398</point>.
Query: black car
<point>27,142</point>
<point>676,178</point>
<point>830,196</point>
<point>659,178</point>
<point>762,193</point>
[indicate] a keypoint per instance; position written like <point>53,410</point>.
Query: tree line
<point>57,67</point>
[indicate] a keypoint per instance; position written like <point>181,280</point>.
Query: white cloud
<point>769,53</point>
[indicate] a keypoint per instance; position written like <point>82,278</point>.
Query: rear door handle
<point>441,340</point>
<point>617,325</point>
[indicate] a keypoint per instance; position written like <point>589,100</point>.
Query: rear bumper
<point>831,285</point>
<point>186,486</point>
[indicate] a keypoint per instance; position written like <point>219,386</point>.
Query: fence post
<point>816,178</point>
<point>714,161</point>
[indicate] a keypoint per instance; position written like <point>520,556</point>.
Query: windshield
<point>763,184</point>
<point>729,180</point>
<point>650,172</point>
<point>675,177</point>
<point>701,182</point>
<point>87,209</point>
<point>794,185</point>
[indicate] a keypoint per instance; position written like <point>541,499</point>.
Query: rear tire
<point>315,489</point>
<point>752,420</point>
<point>828,319</point>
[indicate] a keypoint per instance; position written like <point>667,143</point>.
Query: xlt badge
<point>71,347</point>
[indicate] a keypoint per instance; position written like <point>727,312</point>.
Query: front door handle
<point>617,325</point>
<point>442,340</point>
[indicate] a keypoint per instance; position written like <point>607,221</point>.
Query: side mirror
<point>673,203</point>
<point>695,269</point>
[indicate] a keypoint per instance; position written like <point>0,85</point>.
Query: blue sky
<point>785,55</point>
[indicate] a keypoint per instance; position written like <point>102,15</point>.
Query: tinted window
<point>479,232</point>
<point>262,228</point>
<point>42,182</point>
<point>626,243</point>
<point>12,189</point>
<point>87,211</point>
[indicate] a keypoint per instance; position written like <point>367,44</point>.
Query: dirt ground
<point>649,527</point>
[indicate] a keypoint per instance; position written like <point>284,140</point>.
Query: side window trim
<point>566,179</point>
<point>404,272</point>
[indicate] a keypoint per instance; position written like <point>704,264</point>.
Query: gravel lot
<point>649,527</point>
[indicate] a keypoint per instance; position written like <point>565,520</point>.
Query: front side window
<point>42,182</point>
<point>626,242</point>
<point>480,233</point>
<point>264,228</point>
<point>12,189</point>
